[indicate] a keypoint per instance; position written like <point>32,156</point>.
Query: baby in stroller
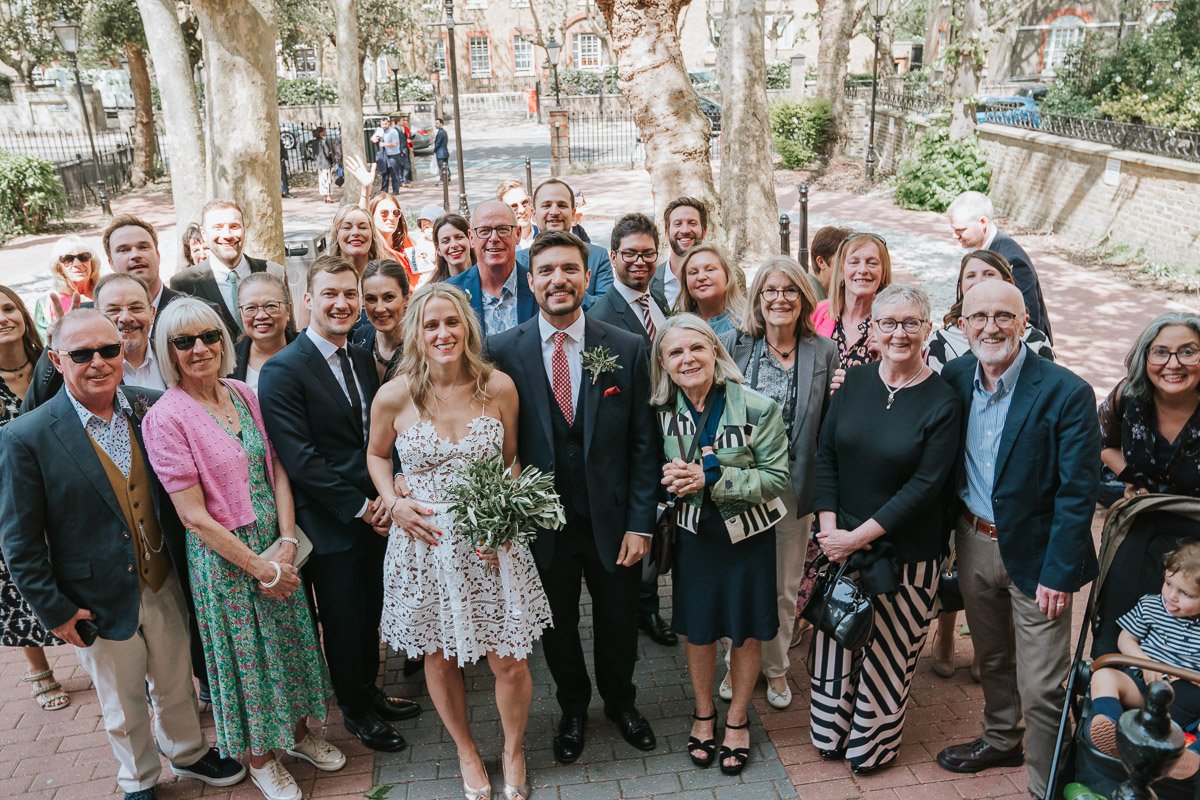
<point>1163,627</point>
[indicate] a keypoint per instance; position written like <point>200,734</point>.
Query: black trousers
<point>648,597</point>
<point>349,590</point>
<point>614,622</point>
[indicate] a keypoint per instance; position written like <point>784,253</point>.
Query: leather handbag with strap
<point>662,543</point>
<point>840,609</point>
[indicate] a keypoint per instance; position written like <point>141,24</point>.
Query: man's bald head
<point>993,319</point>
<point>496,252</point>
<point>81,323</point>
<point>994,291</point>
<point>492,212</point>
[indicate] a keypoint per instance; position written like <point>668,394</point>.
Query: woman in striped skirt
<point>887,448</point>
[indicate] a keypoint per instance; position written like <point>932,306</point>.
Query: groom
<point>595,431</point>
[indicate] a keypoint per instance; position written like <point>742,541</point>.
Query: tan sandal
<point>47,691</point>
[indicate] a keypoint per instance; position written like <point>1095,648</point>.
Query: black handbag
<point>839,608</point>
<point>949,592</point>
<point>662,542</point>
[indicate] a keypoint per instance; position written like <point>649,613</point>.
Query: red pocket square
<point>610,391</point>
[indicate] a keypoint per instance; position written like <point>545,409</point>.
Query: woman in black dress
<point>385,293</point>
<point>729,484</point>
<point>266,311</point>
<point>19,351</point>
<point>888,445</point>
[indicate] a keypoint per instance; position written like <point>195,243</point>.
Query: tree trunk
<point>142,169</point>
<point>749,211</point>
<point>181,113</point>
<point>349,78</point>
<point>967,53</point>
<point>833,56</point>
<point>665,108</point>
<point>243,111</point>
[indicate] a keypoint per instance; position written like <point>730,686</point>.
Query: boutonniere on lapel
<point>141,405</point>
<point>599,360</point>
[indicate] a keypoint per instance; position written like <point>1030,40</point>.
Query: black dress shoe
<point>633,727</point>
<point>374,732</point>
<point>392,709</point>
<point>658,629</point>
<point>977,756</point>
<point>213,769</point>
<point>568,743</point>
<point>832,755</point>
<point>861,769</point>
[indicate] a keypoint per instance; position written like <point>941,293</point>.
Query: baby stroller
<point>1137,534</point>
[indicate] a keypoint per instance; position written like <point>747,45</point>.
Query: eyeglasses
<point>888,325</point>
<point>486,231</point>
<point>252,309</point>
<point>189,341</point>
<point>634,256</point>
<point>86,354</point>
<point>789,294</point>
<point>67,258</point>
<point>1187,356</point>
<point>1003,319</point>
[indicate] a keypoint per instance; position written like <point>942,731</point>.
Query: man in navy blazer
<point>88,534</point>
<point>1027,486</point>
<point>554,210</point>
<point>441,150</point>
<point>496,287</point>
<point>596,433</point>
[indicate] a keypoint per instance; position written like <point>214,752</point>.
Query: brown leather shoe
<point>978,756</point>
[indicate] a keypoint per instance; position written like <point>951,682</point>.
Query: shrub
<point>779,75</point>
<point>937,170</point>
<point>30,194</point>
<point>304,91</point>
<point>586,81</point>
<point>801,129</point>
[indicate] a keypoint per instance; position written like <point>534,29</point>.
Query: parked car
<point>1015,110</point>
<point>711,109</point>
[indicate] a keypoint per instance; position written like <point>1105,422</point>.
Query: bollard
<point>802,254</point>
<point>446,187</point>
<point>1149,743</point>
<point>528,177</point>
<point>785,234</point>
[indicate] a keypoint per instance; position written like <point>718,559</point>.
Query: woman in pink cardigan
<point>206,441</point>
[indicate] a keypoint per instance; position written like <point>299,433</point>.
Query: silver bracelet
<point>290,540</point>
<point>275,580</point>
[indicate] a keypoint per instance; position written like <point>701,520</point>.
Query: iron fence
<point>71,155</point>
<point>922,103</point>
<point>1125,135</point>
<point>604,139</point>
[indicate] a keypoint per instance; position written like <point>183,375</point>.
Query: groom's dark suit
<point>606,466</point>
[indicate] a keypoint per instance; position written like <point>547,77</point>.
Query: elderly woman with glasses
<point>781,355</point>
<point>206,441</point>
<point>266,310</point>
<point>75,266</point>
<point>888,446</point>
<point>862,268</point>
<point>726,460</point>
<point>709,289</point>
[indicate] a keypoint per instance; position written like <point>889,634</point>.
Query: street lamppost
<point>452,64</point>
<point>68,36</point>
<point>394,65</point>
<point>878,10</point>
<point>553,49</point>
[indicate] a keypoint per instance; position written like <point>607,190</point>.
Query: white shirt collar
<point>158,297</point>
<point>221,272</point>
<point>631,295</point>
<point>327,348</point>
<point>574,331</point>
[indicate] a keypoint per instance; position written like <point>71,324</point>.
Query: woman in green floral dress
<point>206,441</point>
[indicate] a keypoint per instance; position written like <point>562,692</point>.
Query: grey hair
<point>182,313</point>
<point>662,390</point>
<point>975,205</point>
<point>70,320</point>
<point>902,293</point>
<point>72,244</point>
<point>1137,378</point>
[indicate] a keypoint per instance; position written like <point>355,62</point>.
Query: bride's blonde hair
<point>414,364</point>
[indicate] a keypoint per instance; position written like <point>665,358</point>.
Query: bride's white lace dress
<point>445,596</point>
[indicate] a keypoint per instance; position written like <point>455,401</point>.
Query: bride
<point>443,598</point>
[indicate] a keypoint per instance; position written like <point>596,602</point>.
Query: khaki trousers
<point>1023,657</point>
<point>792,544</point>
<point>158,655</point>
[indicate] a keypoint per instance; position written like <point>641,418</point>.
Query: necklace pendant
<point>146,553</point>
<point>891,399</point>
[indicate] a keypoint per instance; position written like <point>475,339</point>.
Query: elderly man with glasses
<point>498,290</point>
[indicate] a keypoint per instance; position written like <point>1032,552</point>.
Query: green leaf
<point>379,791</point>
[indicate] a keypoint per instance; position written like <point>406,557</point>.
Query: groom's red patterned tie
<point>562,378</point>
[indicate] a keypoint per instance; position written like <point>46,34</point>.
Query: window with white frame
<point>1065,32</point>
<point>781,30</point>
<point>586,52</point>
<point>439,59</point>
<point>522,55</point>
<point>480,50</point>
<point>476,4</point>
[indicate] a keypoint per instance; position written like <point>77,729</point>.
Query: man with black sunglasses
<point>86,534</point>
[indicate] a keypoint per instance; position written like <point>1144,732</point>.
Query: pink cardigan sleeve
<point>167,444</point>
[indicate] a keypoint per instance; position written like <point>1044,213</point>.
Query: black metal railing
<point>1125,135</point>
<point>922,103</point>
<point>71,155</point>
<point>604,139</point>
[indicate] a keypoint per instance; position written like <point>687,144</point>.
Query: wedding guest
<point>353,236</point>
<point>385,292</point>
<point>19,626</point>
<point>452,239</point>
<point>423,253</point>
<point>260,645</point>
<point>106,563</point>
<point>389,221</point>
<point>444,599</point>
<point>266,309</point>
<point>709,288</point>
<point>75,268</point>
<point>781,355</point>
<point>729,469</point>
<point>195,248</point>
<point>888,447</point>
<point>862,268</point>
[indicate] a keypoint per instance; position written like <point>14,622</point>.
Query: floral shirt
<point>860,352</point>
<point>10,404</point>
<point>1151,461</point>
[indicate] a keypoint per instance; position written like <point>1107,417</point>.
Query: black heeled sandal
<point>708,746</point>
<point>740,754</point>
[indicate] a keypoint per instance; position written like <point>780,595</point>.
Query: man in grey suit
<point>633,304</point>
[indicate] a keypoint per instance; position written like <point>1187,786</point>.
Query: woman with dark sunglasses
<point>206,441</point>
<point>75,268</point>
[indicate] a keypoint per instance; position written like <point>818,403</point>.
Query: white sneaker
<point>275,782</point>
<point>725,690</point>
<point>318,752</point>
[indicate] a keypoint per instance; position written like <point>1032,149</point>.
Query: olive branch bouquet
<point>492,508</point>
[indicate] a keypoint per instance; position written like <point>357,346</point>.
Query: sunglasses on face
<point>67,258</point>
<point>187,342</point>
<point>86,354</point>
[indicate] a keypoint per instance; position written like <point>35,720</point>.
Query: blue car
<point>1015,110</point>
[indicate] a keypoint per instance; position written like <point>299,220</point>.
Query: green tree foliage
<point>801,129</point>
<point>779,75</point>
<point>303,92</point>
<point>938,169</point>
<point>26,38</point>
<point>111,24</point>
<point>30,194</point>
